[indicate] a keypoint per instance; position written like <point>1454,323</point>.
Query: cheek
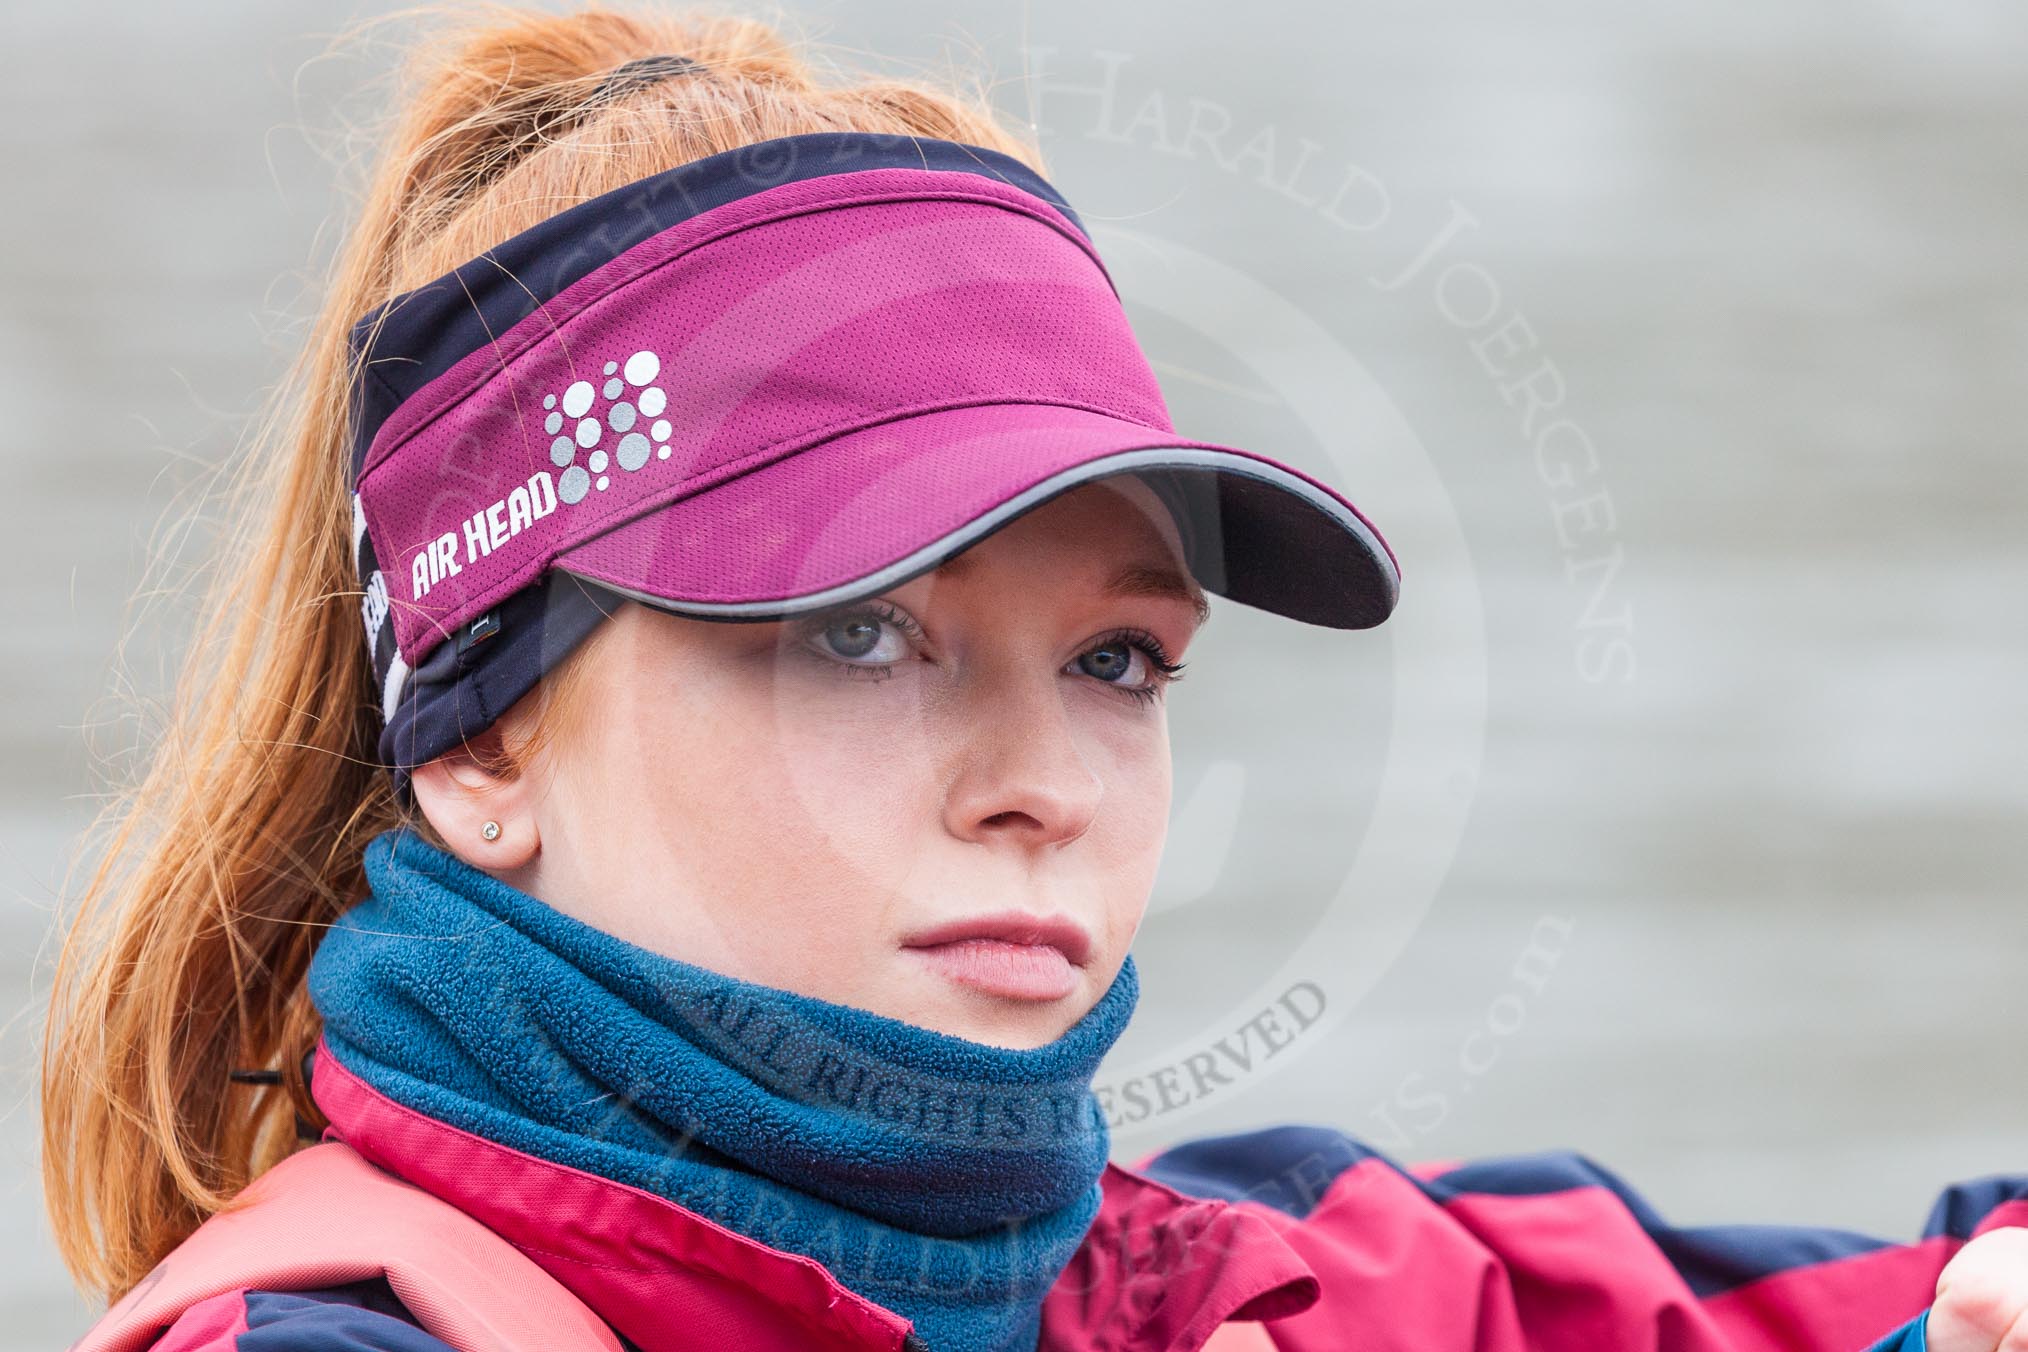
<point>850,782</point>
<point>709,815</point>
<point>782,800</point>
<point>1134,816</point>
<point>1138,769</point>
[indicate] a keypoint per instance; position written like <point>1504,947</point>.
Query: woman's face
<point>945,804</point>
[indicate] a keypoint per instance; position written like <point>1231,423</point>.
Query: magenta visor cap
<point>765,383</point>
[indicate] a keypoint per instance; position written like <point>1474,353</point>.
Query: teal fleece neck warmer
<point>947,1180</point>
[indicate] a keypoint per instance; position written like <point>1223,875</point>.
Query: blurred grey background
<point>1773,253</point>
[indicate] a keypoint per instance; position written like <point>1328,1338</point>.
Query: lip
<point>1059,932</point>
<point>1010,954</point>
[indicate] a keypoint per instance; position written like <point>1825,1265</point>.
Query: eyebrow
<point>1141,580</point>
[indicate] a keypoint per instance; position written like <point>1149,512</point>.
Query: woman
<point>699,918</point>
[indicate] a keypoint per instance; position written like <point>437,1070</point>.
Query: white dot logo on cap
<point>643,367</point>
<point>634,449</point>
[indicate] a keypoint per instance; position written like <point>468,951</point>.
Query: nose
<point>1022,776</point>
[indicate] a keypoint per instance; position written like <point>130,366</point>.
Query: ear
<point>459,795</point>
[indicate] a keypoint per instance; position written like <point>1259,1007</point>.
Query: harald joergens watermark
<point>1465,292</point>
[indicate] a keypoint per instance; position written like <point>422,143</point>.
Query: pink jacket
<point>1331,1244</point>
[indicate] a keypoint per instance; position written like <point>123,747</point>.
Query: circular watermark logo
<point>1415,689</point>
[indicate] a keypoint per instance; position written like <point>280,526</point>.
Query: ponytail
<point>220,864</point>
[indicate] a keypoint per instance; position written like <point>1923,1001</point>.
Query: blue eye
<point>1122,653</point>
<point>855,636</point>
<point>1115,662</point>
<point>847,638</point>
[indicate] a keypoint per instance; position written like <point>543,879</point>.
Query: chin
<point>1015,1025</point>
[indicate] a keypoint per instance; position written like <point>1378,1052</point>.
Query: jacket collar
<point>1158,1271</point>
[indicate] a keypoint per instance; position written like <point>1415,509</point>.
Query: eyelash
<point>1166,672</point>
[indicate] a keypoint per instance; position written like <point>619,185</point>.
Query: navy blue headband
<point>402,345</point>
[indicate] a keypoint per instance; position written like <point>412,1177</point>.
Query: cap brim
<point>867,510</point>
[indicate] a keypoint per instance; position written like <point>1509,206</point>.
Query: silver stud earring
<point>491,830</point>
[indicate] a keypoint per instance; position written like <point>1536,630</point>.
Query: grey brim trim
<point>957,541</point>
